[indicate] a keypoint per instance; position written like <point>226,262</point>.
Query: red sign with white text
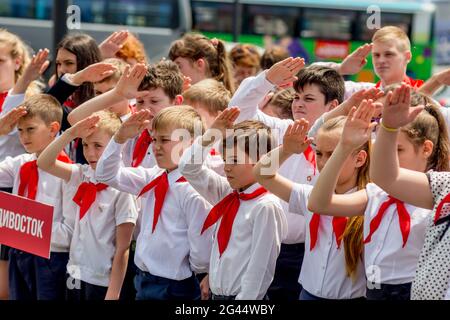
<point>25,224</point>
<point>331,49</point>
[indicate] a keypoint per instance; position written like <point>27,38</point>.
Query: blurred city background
<point>318,30</point>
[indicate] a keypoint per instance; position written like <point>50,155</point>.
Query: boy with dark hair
<point>250,221</point>
<point>155,87</point>
<point>318,90</point>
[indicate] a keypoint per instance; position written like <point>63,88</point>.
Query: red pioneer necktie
<point>339,224</point>
<point>227,208</point>
<point>403,217</point>
<point>141,147</point>
<point>161,185</point>
<point>86,195</point>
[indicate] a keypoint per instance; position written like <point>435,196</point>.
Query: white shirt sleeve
<point>250,92</point>
<point>111,171</point>
<point>247,97</point>
<point>125,209</point>
<point>7,173</point>
<point>63,230</point>
<point>11,101</point>
<point>352,87</point>
<point>212,186</point>
<point>76,176</point>
<point>316,126</point>
<point>266,243</point>
<point>197,209</point>
<point>298,201</point>
<point>66,79</point>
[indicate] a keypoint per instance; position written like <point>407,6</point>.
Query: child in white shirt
<point>394,231</point>
<point>248,223</point>
<point>38,124</point>
<point>104,218</point>
<point>170,249</point>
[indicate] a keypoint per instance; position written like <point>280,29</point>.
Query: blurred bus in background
<point>317,30</point>
<point>156,22</point>
<point>320,30</point>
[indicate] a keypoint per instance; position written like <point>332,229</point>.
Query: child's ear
<point>361,158</point>
<point>18,63</point>
<point>200,64</point>
<point>333,104</point>
<point>178,100</point>
<point>408,56</point>
<point>427,148</point>
<point>54,128</point>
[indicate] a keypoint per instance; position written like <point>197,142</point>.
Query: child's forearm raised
<point>321,196</point>
<point>93,105</point>
<point>356,132</point>
<point>47,160</point>
<point>253,89</point>
<point>435,82</point>
<point>430,86</point>
<point>266,168</point>
<point>9,121</point>
<point>384,167</point>
<point>32,72</point>
<point>265,172</point>
<point>126,88</point>
<point>407,185</point>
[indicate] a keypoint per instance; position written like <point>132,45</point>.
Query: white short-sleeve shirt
<point>93,243</point>
<point>323,272</point>
<point>386,261</point>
